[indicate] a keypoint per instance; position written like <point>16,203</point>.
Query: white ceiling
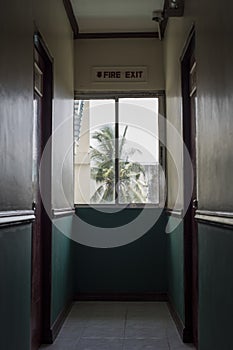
<point>116,16</point>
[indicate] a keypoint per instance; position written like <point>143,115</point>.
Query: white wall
<point>215,105</point>
<point>118,52</point>
<point>214,53</point>
<point>52,22</point>
<point>16,109</point>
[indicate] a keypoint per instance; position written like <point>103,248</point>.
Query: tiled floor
<point>118,326</point>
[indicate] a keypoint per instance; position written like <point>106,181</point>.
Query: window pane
<point>94,130</point>
<point>138,151</point>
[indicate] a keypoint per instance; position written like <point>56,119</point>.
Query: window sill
<point>119,206</point>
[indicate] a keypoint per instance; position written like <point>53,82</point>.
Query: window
<point>116,152</point>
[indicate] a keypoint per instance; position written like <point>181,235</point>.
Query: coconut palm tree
<point>131,187</point>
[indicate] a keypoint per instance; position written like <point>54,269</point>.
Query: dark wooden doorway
<point>189,88</point>
<point>41,177</point>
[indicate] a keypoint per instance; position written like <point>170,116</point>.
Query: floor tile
<point>146,322</point>
<point>75,322</point>
<point>106,322</point>
<point>145,344</point>
<point>61,344</point>
<point>103,332</point>
<point>119,326</point>
<point>158,332</point>
<point>100,344</point>
<point>71,332</point>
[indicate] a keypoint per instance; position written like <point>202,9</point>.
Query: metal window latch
<point>195,203</point>
<point>34,206</point>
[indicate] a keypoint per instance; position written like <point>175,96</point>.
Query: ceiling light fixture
<point>174,4</point>
<point>175,8</point>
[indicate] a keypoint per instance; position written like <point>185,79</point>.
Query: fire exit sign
<point>119,74</point>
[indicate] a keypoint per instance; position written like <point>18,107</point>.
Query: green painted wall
<point>15,287</point>
<point>215,288</point>
<point>137,267</point>
<point>15,276</point>
<point>62,276</point>
<point>175,266</point>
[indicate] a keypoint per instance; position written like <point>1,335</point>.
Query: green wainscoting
<point>62,275</point>
<point>175,266</point>
<point>15,287</point>
<point>138,267</point>
<point>215,287</point>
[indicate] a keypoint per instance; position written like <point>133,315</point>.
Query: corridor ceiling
<point>111,16</point>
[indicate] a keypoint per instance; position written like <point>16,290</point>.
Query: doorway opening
<point>41,179</point>
<point>189,91</point>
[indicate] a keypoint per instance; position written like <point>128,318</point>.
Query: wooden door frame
<point>45,180</point>
<point>188,335</point>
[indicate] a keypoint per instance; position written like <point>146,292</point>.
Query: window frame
<point>162,150</point>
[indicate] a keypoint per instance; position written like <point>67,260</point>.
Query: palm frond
<point>132,186</point>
